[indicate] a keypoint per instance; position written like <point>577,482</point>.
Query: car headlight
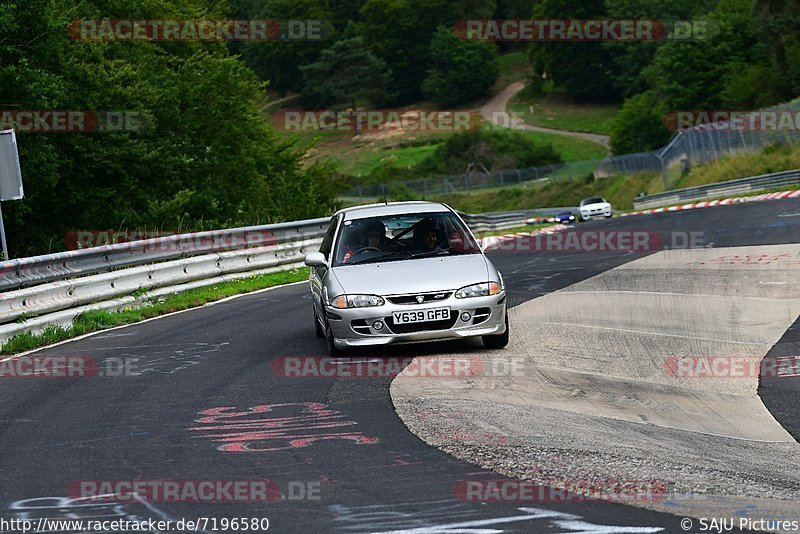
<point>357,301</point>
<point>483,289</point>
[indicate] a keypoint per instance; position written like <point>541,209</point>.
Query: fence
<point>719,189</point>
<point>697,145</point>
<point>54,288</point>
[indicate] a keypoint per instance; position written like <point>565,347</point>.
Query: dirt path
<point>273,103</point>
<point>495,111</point>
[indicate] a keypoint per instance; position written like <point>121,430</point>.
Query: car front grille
<point>427,298</point>
<point>409,328</point>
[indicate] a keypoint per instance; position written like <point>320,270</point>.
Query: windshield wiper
<point>401,255</point>
<point>379,258</point>
<point>441,252</point>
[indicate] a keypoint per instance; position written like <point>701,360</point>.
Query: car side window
<point>327,241</point>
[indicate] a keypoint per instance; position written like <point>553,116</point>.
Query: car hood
<point>413,276</point>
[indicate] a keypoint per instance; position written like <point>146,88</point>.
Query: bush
<point>490,150</point>
<point>461,70</point>
<point>639,126</point>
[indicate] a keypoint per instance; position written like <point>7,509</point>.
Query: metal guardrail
<point>43,290</point>
<point>25,272</point>
<point>719,189</point>
<point>64,294</point>
<point>488,222</point>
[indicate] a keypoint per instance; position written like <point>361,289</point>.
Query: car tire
<point>497,341</point>
<point>329,340</point>
<point>317,327</point>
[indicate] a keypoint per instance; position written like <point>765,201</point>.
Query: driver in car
<point>375,235</point>
<point>372,236</point>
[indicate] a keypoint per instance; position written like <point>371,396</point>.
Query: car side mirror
<point>316,259</point>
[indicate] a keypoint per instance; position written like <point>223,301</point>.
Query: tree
<point>399,32</point>
<point>278,62</point>
<point>693,74</point>
<point>778,23</point>
<point>639,126</point>
<point>630,58</point>
<point>345,72</point>
<point>585,70</point>
<point>207,157</point>
<point>460,70</point>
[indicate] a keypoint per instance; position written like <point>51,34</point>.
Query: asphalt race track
<point>365,471</point>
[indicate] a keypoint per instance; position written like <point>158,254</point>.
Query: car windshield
<point>591,200</point>
<point>402,237</point>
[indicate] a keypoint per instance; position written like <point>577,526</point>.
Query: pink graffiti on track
<point>275,427</point>
<point>761,259</point>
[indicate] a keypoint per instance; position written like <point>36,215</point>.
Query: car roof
<point>392,208</point>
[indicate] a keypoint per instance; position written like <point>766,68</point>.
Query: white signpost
<point>10,177</point>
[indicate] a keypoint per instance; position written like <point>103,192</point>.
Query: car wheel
<point>497,341</point>
<point>317,327</point>
<point>332,349</point>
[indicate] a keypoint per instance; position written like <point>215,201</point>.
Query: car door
<point>317,275</point>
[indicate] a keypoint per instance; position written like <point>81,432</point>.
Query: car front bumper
<point>353,327</point>
<point>599,212</point>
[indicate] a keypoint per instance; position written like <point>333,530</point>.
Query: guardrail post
<point>3,235</point>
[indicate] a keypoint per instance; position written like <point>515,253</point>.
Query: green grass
<point>516,229</point>
<point>361,161</point>
<point>368,161</point>
<point>513,67</point>
<point>619,190</point>
<point>94,320</point>
<point>554,110</point>
<point>569,148</point>
<point>771,159</point>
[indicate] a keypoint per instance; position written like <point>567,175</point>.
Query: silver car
<point>404,272</point>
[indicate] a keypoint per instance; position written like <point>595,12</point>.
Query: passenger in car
<point>429,237</point>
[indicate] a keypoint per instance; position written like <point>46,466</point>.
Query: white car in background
<point>594,207</point>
